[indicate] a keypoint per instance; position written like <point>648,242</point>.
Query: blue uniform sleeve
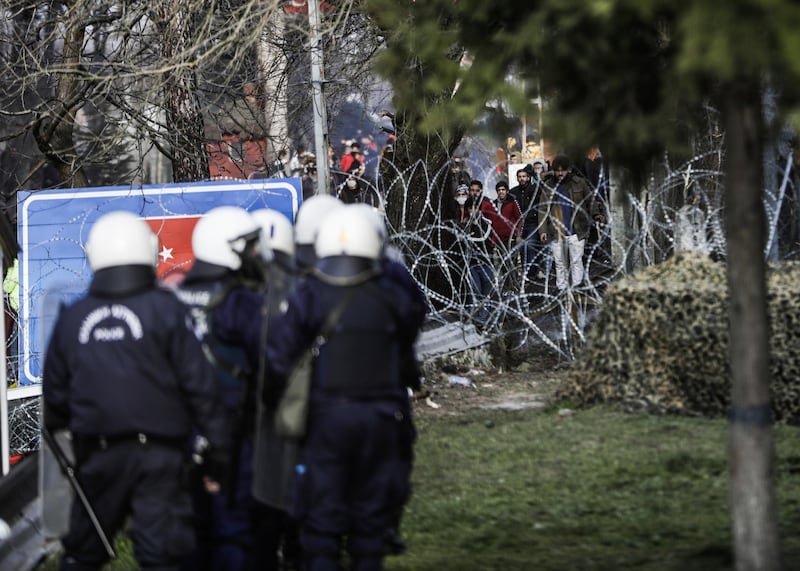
<point>398,273</point>
<point>238,321</point>
<point>406,298</point>
<point>289,334</point>
<point>198,383</point>
<point>410,307</point>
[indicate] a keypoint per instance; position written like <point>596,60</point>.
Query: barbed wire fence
<point>681,210</point>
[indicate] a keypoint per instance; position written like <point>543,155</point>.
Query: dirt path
<point>452,389</point>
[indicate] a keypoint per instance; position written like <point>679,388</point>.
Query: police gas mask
<point>248,247</point>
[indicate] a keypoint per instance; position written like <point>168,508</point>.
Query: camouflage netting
<point>661,338</point>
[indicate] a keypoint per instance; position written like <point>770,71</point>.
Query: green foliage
<point>628,75</point>
<point>124,561</point>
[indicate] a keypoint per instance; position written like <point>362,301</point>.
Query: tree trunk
<point>54,132</point>
<point>751,446</point>
<point>415,197</point>
<point>184,119</point>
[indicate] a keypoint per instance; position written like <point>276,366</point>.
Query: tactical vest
<point>230,362</point>
<point>361,356</point>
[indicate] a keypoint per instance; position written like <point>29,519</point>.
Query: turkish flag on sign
<point>175,255</point>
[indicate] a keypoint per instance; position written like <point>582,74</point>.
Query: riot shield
<point>274,457</point>
<point>55,490</point>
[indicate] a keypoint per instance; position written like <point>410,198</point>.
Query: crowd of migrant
<point>542,236</point>
<point>171,394</point>
<point>349,181</point>
<point>551,224</point>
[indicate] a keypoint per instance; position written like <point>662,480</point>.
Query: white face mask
<point>351,184</point>
<point>462,200</point>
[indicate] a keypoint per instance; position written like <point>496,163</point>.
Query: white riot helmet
<point>375,216</point>
<point>277,232</point>
<point>388,251</point>
<point>121,238</point>
<point>223,235</point>
<point>310,217</point>
<point>349,232</point>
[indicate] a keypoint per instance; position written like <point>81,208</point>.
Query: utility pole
<point>318,100</point>
<point>5,428</point>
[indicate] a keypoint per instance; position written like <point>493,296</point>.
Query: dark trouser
<point>223,521</point>
<point>353,479</point>
<point>598,246</point>
<point>273,531</point>
<point>482,277</point>
<point>534,255</point>
<point>144,481</point>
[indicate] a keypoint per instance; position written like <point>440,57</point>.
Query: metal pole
<point>4,427</point>
<point>318,100</point>
<point>541,118</point>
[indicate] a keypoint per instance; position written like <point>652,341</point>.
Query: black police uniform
<point>125,372</point>
<point>275,456</point>
<point>354,466</point>
<point>227,313</point>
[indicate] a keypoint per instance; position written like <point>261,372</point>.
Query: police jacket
<point>227,312</point>
<point>361,357</point>
<point>125,360</point>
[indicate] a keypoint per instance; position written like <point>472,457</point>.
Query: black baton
<point>69,471</point>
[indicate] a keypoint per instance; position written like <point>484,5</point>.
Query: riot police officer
<point>275,531</point>
<point>309,218</point>
<point>352,472</point>
<point>223,291</point>
<point>126,374</point>
<point>392,266</point>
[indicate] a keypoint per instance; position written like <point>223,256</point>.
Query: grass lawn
<point>601,489</point>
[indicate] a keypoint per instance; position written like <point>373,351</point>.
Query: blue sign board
<point>53,227</point>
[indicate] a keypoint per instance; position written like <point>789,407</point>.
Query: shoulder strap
<point>336,312</point>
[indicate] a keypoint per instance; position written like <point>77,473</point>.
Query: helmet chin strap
<point>253,267</point>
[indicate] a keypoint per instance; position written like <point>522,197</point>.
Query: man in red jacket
<point>507,226</point>
<point>353,161</point>
<point>486,207</point>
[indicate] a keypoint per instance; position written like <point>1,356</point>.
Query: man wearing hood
<point>355,191</point>
<point>507,222</point>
